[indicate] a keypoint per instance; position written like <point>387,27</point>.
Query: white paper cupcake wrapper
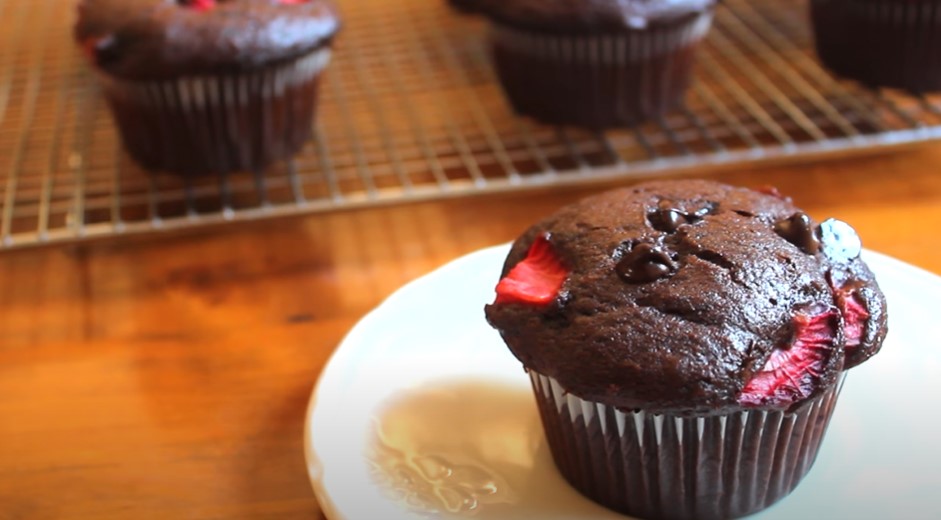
<point>664,466</point>
<point>218,123</point>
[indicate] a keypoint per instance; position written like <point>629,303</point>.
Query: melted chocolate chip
<point>798,229</point>
<point>667,220</point>
<point>645,263</point>
<point>839,241</point>
<point>669,215</point>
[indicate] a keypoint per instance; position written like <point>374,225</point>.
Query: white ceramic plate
<point>423,412</point>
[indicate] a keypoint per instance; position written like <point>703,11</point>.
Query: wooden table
<point>167,377</point>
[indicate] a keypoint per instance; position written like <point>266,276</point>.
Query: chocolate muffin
<point>686,342</point>
<point>596,63</point>
<point>203,86</point>
<point>881,43</point>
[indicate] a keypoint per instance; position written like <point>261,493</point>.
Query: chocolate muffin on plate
<point>207,86</point>
<point>594,63</point>
<point>686,342</point>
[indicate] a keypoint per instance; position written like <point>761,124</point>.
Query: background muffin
<point>686,342</point>
<point>200,86</point>
<point>882,43</point>
<point>597,63</point>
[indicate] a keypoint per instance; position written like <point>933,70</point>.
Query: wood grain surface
<point>167,377</point>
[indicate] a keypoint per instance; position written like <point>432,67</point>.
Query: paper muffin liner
<point>218,123</point>
<point>666,466</point>
<point>881,43</point>
<point>599,80</point>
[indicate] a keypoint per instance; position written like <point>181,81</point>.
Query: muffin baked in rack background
<point>597,63</point>
<point>214,86</point>
<point>209,86</point>
<point>881,43</point>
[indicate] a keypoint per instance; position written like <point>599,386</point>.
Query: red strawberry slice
<point>90,46</point>
<point>536,279</point>
<point>854,316</point>
<point>199,5</point>
<point>773,191</point>
<point>791,373</point>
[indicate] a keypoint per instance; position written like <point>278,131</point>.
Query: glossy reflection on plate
<point>423,412</point>
<point>414,457</point>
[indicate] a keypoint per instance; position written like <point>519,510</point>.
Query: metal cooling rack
<point>411,110</point>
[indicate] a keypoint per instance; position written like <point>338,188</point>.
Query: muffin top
<point>584,15</point>
<point>158,39</point>
<point>689,297</point>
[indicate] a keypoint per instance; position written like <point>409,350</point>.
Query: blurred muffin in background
<point>595,63</point>
<point>881,43</point>
<point>209,86</point>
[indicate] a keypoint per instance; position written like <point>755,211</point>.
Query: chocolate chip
<point>645,263</point>
<point>666,219</point>
<point>670,215</point>
<point>839,241</point>
<point>798,229</point>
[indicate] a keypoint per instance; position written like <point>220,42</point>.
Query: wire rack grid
<point>411,110</point>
